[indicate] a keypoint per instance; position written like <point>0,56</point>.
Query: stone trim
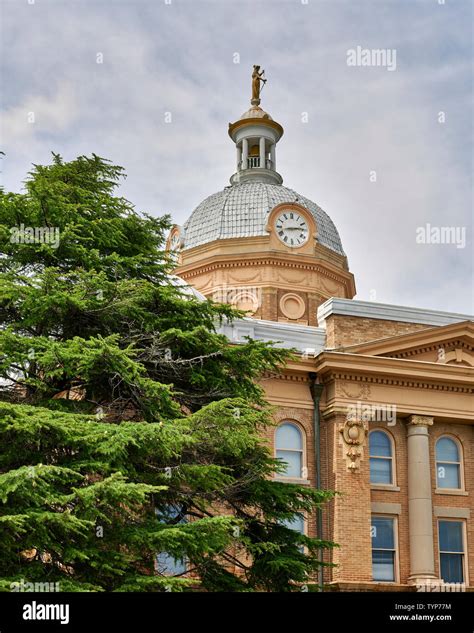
<point>398,382</point>
<point>452,513</point>
<point>450,346</point>
<point>420,420</point>
<point>449,491</point>
<point>290,377</point>
<point>293,480</point>
<point>387,312</point>
<point>385,487</point>
<point>378,507</point>
<point>199,270</point>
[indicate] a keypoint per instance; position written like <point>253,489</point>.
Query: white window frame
<point>465,566</point>
<point>392,459</point>
<point>460,463</point>
<point>304,464</point>
<point>396,560</point>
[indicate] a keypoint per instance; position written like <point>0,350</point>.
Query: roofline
<point>387,312</point>
<point>306,339</point>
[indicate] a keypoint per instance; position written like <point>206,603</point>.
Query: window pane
<point>450,536</point>
<point>288,436</point>
<point>382,533</point>
<point>296,524</point>
<point>447,450</point>
<point>448,475</point>
<point>383,567</point>
<point>293,463</point>
<point>379,444</point>
<point>168,513</point>
<point>380,471</point>
<point>451,568</point>
<point>167,564</point>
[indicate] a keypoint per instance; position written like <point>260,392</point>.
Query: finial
<point>257,81</point>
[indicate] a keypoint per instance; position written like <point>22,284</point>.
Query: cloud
<point>179,58</point>
<point>38,114</point>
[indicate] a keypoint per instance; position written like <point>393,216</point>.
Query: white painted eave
<point>387,312</point>
<point>304,338</point>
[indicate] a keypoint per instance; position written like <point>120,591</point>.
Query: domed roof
<point>242,211</point>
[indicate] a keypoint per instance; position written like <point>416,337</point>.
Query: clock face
<point>292,228</point>
<point>174,241</point>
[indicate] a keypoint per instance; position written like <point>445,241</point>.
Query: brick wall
<point>347,519</point>
<point>465,435</point>
<point>343,330</point>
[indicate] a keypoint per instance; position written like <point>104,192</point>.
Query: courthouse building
<point>378,404</point>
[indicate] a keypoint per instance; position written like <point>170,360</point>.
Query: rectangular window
<point>165,563</point>
<point>383,549</point>
<point>297,523</point>
<point>292,460</point>
<point>448,475</point>
<point>380,470</point>
<point>451,550</point>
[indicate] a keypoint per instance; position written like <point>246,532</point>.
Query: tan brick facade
<point>343,331</point>
<point>347,519</point>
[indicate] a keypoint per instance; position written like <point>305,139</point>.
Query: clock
<point>175,241</point>
<point>292,228</point>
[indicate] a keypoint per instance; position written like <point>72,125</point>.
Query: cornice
<point>448,347</point>
<point>219,246</point>
<point>255,121</point>
<point>448,415</point>
<point>302,377</point>
<point>401,382</point>
<point>387,370</point>
<point>327,269</point>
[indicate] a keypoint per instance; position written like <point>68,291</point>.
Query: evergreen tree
<point>128,425</point>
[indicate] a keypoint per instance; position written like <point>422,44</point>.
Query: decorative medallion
<point>292,306</point>
<point>353,435</point>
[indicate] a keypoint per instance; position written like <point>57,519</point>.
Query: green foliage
<point>120,402</point>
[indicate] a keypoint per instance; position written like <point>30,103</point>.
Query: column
<point>262,152</point>
<point>420,508</point>
<point>273,156</point>
<point>245,153</point>
<point>239,157</point>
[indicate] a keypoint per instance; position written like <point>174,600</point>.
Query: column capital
<point>420,420</point>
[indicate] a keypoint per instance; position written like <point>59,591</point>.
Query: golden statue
<point>257,80</point>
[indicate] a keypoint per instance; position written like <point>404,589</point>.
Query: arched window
<point>448,463</point>
<point>289,448</point>
<point>381,458</point>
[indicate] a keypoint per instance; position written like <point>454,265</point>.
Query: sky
<point>151,85</point>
